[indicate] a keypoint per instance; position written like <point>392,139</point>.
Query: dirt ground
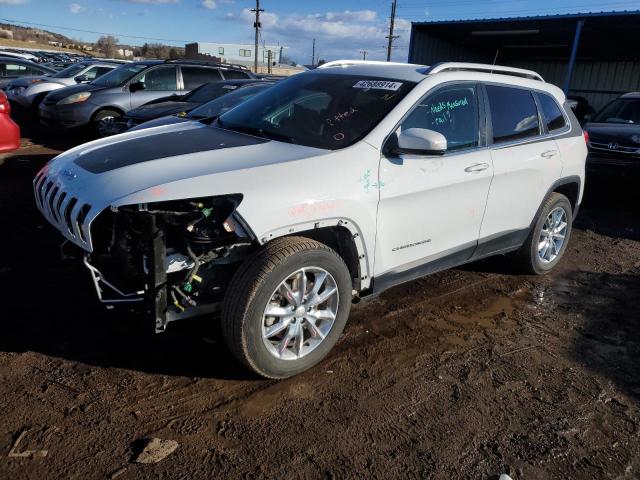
<point>465,374</point>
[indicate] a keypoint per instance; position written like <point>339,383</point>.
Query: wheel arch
<point>570,188</point>
<point>343,236</point>
<point>102,109</point>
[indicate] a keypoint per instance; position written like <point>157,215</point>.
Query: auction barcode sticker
<point>378,85</point>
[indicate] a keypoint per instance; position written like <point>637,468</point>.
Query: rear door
<point>526,163</point>
<point>158,82</point>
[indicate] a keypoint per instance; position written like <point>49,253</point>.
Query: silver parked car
<point>127,87</point>
<point>28,92</point>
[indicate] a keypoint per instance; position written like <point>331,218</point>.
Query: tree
<point>107,45</point>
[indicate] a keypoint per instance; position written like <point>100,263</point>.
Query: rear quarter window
<point>514,115</point>
<point>234,74</point>
<point>551,113</point>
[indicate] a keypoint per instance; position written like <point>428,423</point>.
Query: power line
<point>94,32</point>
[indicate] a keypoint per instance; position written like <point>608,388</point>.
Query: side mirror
<point>136,87</point>
<point>81,79</point>
<point>422,142</point>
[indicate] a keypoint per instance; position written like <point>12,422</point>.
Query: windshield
<point>622,110</point>
<point>119,75</point>
<point>221,104</point>
<point>209,91</point>
<point>319,110</point>
<point>70,71</point>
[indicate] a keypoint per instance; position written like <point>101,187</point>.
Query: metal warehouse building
<point>593,55</point>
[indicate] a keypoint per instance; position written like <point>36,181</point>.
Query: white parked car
<point>336,183</point>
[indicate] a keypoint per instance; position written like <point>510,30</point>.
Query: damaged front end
<point>174,259</point>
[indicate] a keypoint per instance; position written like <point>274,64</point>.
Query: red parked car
<point>9,131</point>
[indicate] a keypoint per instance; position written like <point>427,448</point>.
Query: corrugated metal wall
<point>616,76</point>
<point>429,50</point>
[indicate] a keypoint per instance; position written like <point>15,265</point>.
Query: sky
<point>342,28</point>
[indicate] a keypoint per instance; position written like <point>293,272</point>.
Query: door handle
<point>549,154</point>
<point>476,167</point>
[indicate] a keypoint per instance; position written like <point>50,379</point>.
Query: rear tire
<point>285,278</point>
<point>548,239</point>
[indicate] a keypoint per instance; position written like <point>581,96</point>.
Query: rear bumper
<point>9,134</point>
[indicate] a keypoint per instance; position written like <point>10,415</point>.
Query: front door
<point>431,206</point>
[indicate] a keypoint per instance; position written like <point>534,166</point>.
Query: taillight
<point>586,136</point>
<point>4,104</point>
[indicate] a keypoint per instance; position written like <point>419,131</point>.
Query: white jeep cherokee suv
<point>334,184</point>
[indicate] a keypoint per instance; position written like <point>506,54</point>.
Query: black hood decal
<point>162,145</point>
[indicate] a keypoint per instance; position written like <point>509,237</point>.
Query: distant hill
<point>29,34</point>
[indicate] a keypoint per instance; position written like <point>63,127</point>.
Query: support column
<point>572,59</point>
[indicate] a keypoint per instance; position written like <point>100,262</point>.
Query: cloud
<point>152,1</point>
<point>338,34</point>
<point>76,8</point>
<point>209,4</point>
<point>12,2</point>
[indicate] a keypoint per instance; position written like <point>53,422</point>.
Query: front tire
<point>548,239</point>
<point>286,307</point>
<point>103,122</point>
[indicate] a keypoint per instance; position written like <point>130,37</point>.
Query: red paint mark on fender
<point>159,191</point>
<point>311,210</point>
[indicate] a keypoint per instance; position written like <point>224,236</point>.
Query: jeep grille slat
<point>63,210</point>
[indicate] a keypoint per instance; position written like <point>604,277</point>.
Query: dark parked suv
<point>127,87</point>
<point>614,134</point>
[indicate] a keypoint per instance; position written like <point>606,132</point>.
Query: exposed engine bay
<point>175,258</point>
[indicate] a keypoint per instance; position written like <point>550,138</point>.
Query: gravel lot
<point>465,374</point>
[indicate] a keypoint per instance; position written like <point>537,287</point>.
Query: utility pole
<point>364,54</point>
<point>391,36</point>
<point>257,25</point>
<point>313,53</point>
<point>269,60</point>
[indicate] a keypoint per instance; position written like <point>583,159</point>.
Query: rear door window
<point>193,77</point>
<point>514,115</point>
<point>451,111</point>
<point>551,113</point>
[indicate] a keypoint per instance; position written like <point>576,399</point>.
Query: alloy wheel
<point>552,235</point>
<point>300,313</point>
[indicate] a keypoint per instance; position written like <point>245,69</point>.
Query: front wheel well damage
<point>341,240</point>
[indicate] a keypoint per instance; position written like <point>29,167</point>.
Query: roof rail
<point>344,63</point>
<point>206,62</point>
<point>484,68</point>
